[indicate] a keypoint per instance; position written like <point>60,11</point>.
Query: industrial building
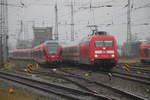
<point>41,34</point>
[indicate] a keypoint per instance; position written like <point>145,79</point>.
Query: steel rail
<point>64,77</point>
<point>137,78</point>
<point>72,75</point>
<point>128,94</point>
<point>140,69</point>
<point>51,88</point>
<point>137,67</point>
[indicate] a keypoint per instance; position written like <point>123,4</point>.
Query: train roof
<point>145,45</point>
<point>88,38</point>
<point>51,41</point>
<point>21,50</point>
<point>103,37</point>
<point>24,50</point>
<point>48,41</point>
<point>100,33</point>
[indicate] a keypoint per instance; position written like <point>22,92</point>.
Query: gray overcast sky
<point>41,12</point>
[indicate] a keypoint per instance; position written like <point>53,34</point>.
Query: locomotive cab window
<point>108,43</point>
<point>104,43</point>
<point>99,43</point>
<point>52,48</point>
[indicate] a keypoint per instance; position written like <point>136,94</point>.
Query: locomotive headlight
<point>110,51</point>
<point>98,51</point>
<point>96,55</point>
<point>104,48</point>
<point>112,55</point>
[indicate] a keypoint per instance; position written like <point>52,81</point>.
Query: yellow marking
<point>11,90</point>
<point>37,66</point>
<point>88,74</point>
<point>126,69</point>
<point>127,65</point>
<point>29,68</point>
<point>138,72</point>
<point>148,90</point>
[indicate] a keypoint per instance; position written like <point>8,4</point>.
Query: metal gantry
<point>4,29</point>
<point>56,23</point>
<point>129,37</point>
<point>72,21</point>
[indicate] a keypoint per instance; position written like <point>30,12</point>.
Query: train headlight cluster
<point>110,51</point>
<point>101,53</point>
<point>112,55</point>
<point>104,48</point>
<point>96,55</point>
<point>98,51</point>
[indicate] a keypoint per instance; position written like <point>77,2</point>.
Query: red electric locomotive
<point>48,52</point>
<point>98,50</point>
<point>145,53</point>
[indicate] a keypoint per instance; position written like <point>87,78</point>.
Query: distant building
<point>42,34</point>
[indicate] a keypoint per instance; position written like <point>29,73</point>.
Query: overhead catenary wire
<point>13,5</point>
<point>65,15</point>
<point>78,10</point>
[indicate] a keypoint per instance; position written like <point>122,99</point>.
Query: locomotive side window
<point>103,43</point>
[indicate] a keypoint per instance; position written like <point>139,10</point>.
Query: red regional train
<point>145,53</point>
<point>99,50</point>
<point>48,52</point>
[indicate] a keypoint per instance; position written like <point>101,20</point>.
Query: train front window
<point>52,48</point>
<point>108,43</point>
<point>103,43</point>
<point>99,43</point>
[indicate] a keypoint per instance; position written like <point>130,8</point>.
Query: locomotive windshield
<point>103,43</point>
<point>52,48</point>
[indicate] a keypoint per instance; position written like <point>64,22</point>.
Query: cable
<point>13,5</point>
<point>92,14</point>
<point>144,6</point>
<point>142,19</point>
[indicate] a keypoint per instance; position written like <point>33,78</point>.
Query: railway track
<point>138,78</point>
<point>134,68</point>
<point>62,91</point>
<point>67,78</point>
<point>95,87</point>
<point>138,65</point>
<point>141,70</point>
<point>88,85</point>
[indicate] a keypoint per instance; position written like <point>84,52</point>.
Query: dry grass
<point>13,97</point>
<point>18,93</point>
<point>129,60</point>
